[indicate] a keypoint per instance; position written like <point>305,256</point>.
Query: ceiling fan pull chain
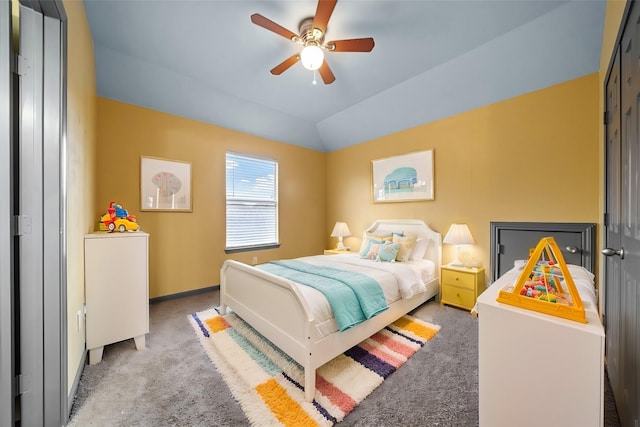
<point>314,78</point>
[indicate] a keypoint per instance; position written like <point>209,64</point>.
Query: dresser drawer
<point>459,279</point>
<point>458,296</point>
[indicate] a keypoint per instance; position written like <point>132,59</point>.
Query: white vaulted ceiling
<point>207,61</point>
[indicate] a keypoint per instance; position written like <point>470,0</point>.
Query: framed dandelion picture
<point>404,178</point>
<point>165,185</point>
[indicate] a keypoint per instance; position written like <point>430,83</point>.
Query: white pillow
<point>419,249</point>
<point>519,263</point>
<point>579,272</point>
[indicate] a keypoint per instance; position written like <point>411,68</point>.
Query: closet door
<point>612,302</point>
<point>629,220</point>
<point>622,233</point>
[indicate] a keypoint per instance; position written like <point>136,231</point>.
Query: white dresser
<point>536,369</point>
<point>116,289</point>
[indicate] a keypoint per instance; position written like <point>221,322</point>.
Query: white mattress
<point>398,280</point>
<point>582,278</point>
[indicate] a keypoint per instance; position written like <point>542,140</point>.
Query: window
<point>252,202</point>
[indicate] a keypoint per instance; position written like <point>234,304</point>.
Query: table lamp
<point>458,235</point>
<point>340,230</point>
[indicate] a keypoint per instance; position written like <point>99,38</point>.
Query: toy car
<point>117,218</point>
<point>122,225</point>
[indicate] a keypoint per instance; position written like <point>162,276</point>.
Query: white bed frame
<point>276,309</point>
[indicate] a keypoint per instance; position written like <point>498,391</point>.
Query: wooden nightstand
<point>461,286</point>
<point>335,251</point>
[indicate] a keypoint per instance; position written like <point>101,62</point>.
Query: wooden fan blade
<point>323,13</point>
<point>285,65</point>
<point>326,73</point>
<point>352,45</point>
<point>260,20</point>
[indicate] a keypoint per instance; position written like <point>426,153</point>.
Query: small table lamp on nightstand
<point>340,230</point>
<point>458,235</point>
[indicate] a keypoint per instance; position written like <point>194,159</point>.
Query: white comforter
<point>398,280</point>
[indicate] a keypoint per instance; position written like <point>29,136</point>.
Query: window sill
<point>251,248</point>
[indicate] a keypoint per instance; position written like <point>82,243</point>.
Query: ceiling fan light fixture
<point>311,38</point>
<point>311,57</point>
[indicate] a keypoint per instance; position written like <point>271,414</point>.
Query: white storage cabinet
<point>117,290</point>
<point>538,370</point>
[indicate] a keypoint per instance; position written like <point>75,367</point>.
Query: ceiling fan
<point>311,35</point>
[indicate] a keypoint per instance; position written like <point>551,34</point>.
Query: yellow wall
<point>534,157</point>
<point>187,249</point>
<point>502,162</point>
<point>81,170</point>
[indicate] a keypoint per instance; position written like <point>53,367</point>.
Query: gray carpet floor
<point>173,383</point>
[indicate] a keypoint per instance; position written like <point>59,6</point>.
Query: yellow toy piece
<point>568,306</point>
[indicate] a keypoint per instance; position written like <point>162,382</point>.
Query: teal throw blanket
<point>353,297</point>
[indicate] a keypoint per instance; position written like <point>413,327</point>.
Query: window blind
<point>252,201</point>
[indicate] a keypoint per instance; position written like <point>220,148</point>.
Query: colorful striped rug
<point>268,384</point>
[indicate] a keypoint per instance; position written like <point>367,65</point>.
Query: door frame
<point>54,293</point>
<point>7,414</point>
<point>44,376</point>
<point>54,218</point>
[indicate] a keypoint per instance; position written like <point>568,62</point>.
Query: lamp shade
<point>311,57</point>
<point>340,230</point>
<point>459,234</point>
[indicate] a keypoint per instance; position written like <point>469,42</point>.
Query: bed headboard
<point>511,241</point>
<point>413,226</point>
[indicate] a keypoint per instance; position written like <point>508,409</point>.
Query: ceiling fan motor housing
<point>310,36</point>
